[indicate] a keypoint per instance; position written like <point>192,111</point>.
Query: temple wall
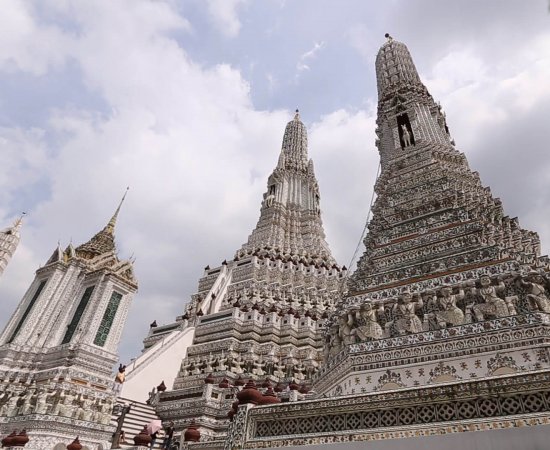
<point>524,438</point>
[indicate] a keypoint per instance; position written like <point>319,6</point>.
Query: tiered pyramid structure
<point>445,328</point>
<point>261,314</point>
<point>441,255</point>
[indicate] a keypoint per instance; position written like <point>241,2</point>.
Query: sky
<point>186,103</point>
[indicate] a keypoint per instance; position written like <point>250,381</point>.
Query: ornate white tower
<point>59,347</point>
<point>259,315</point>
<point>9,240</point>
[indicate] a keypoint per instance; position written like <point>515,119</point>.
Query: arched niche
<point>503,371</point>
<point>444,378</point>
<point>390,386</point>
<point>404,121</point>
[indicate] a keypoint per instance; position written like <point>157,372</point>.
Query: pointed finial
<point>111,225</point>
<point>19,220</point>
<point>388,37</point>
<point>297,115</point>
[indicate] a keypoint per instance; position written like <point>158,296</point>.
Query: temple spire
<point>9,240</point>
<point>294,145</point>
<point>104,241</point>
<point>112,223</point>
<point>408,116</point>
<point>290,215</point>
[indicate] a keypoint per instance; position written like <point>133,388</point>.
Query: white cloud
<point>362,39</point>
<point>302,64</point>
<point>25,44</point>
<point>181,136</point>
<point>346,162</point>
<point>477,95</point>
<point>225,15</point>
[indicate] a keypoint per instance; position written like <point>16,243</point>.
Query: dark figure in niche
<point>406,136</point>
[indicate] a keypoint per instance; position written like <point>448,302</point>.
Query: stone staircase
<point>140,414</point>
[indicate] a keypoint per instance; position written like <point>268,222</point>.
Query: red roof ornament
<point>21,439</point>
<point>250,394</point>
<point>270,397</point>
<point>142,439</point>
<point>75,445</point>
<point>192,434</point>
<point>224,384</point>
<point>8,440</point>
<point>209,379</point>
<point>239,381</point>
<point>161,387</point>
<point>293,386</point>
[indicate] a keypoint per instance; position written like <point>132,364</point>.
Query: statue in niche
<point>334,342</point>
<point>493,306</point>
<point>59,397</point>
<point>222,363</point>
<point>185,368</point>
<point>209,364</point>
<point>26,407</point>
<point>344,329</point>
<point>86,412</point>
<point>67,408</point>
<point>406,136</point>
<point>195,368</point>
<point>298,371</point>
<point>536,293</point>
<point>10,407</point>
<point>448,313</point>
<point>258,367</point>
<point>41,402</point>
<point>280,369</point>
<point>269,200</point>
<point>404,313</point>
<point>105,411</point>
<point>366,322</point>
<point>238,363</point>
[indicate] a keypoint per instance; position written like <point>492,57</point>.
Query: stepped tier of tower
<point>58,349</point>
<point>262,314</point>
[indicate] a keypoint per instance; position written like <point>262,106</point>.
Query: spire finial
<point>388,37</point>
<point>19,220</point>
<point>297,115</point>
<point>111,225</point>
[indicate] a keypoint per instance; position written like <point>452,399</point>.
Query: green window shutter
<point>28,310</point>
<point>78,315</point>
<point>108,318</point>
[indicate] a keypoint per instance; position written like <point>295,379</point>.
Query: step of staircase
<point>140,414</point>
